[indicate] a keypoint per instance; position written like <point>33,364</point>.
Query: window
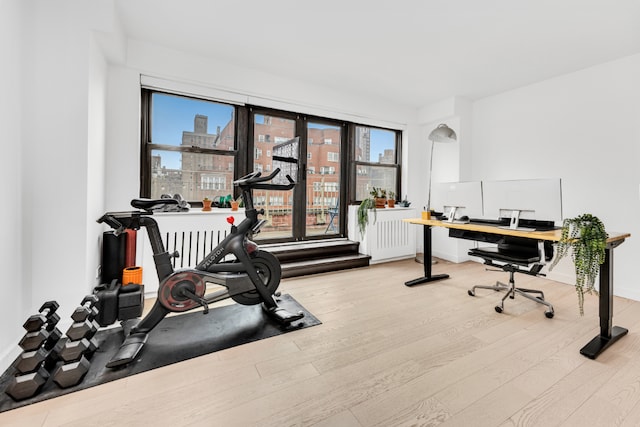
<point>376,154</point>
<point>327,170</point>
<point>188,146</point>
<point>197,147</point>
<point>333,157</point>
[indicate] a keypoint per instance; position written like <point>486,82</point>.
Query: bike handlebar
<point>254,180</point>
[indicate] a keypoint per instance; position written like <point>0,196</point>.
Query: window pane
<point>368,177</point>
<point>375,145</point>
<point>181,121</point>
<point>274,136</point>
<point>193,175</point>
<point>323,179</point>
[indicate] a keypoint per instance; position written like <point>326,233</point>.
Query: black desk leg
<point>608,334</point>
<point>428,277</point>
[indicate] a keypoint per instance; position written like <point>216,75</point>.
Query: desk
<point>608,333</point>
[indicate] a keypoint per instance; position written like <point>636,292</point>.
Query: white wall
<point>583,127</point>
<point>17,296</point>
<point>56,76</point>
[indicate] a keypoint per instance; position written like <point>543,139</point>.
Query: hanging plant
<point>363,213</point>
<point>585,235</point>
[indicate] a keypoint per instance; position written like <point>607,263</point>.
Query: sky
<point>171,115</point>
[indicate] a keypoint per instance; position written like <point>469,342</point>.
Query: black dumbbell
<point>41,338</point>
<point>32,361</point>
<point>71,374</point>
<point>71,351</point>
<point>25,386</point>
<point>79,330</point>
<point>84,326</point>
<point>47,316</point>
<point>83,313</point>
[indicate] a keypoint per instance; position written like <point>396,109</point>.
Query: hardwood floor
<point>389,355</point>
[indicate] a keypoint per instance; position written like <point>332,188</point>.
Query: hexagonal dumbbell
<point>71,351</point>
<point>31,361</point>
<point>71,374</point>
<point>47,317</point>
<point>84,326</point>
<point>41,328</point>
<point>25,386</point>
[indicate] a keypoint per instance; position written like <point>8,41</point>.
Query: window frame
<point>355,163</point>
<point>242,156</point>
<point>147,145</point>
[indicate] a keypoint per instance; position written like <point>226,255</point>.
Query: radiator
<point>387,237</point>
<point>192,234</point>
<point>192,246</point>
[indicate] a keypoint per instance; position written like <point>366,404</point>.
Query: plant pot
<point>391,203</point>
<point>206,205</point>
<point>234,205</point>
<point>380,202</point>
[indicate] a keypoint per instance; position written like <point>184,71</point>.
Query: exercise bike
<point>252,277</point>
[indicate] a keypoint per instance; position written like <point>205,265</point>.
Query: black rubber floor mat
<point>175,339</point>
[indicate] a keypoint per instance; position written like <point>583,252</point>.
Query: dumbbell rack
<point>49,359</point>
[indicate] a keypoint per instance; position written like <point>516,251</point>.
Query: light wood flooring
<point>389,355</point>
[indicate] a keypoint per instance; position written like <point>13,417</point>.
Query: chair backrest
<point>524,247</point>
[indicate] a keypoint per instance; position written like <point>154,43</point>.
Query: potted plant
<point>379,195</point>
<point>206,204</point>
<point>404,202</point>
<point>585,235</point>
<point>391,199</point>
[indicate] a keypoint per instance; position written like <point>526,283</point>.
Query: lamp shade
<point>442,133</point>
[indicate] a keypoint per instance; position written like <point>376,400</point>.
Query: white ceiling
<point>409,52</point>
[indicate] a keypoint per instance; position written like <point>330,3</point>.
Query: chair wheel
<point>549,314</point>
<point>471,293</point>
<point>498,309</point>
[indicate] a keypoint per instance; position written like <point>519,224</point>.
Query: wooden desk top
<point>553,235</point>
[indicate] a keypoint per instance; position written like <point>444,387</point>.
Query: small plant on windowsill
<point>391,199</point>
<point>206,204</point>
<point>380,196</point>
<point>585,235</point>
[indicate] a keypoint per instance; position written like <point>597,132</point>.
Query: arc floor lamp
<point>442,133</point>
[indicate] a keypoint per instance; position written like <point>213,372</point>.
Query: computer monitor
<point>458,199</point>
<point>536,199</point>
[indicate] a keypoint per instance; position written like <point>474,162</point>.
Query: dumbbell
<point>70,374</point>
<point>24,386</point>
<point>32,361</point>
<point>37,358</point>
<point>71,351</point>
<point>76,350</point>
<point>46,316</point>
<point>84,326</point>
<point>41,328</point>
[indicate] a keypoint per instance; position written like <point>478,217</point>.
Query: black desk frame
<point>608,334</point>
<point>428,277</point>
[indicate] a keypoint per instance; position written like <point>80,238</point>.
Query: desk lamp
<point>442,133</point>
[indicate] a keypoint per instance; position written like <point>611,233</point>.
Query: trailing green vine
<point>585,235</point>
<point>363,213</point>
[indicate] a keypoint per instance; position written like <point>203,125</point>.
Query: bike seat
<point>149,204</point>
